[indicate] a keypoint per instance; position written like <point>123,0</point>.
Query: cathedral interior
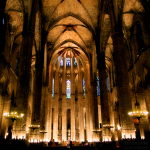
<point>75,70</point>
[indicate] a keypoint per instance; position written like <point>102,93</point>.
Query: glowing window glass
<point>61,63</point>
<point>68,89</point>
<point>83,88</point>
<point>53,88</point>
<point>68,63</point>
<point>98,87</point>
<point>75,63</point>
<point>107,81</point>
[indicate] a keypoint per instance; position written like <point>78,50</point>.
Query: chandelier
<point>34,126</point>
<point>108,126</point>
<point>13,116</point>
<point>138,114</point>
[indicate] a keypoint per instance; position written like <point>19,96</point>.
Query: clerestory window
<point>98,87</point>
<point>53,88</point>
<point>83,88</point>
<point>68,62</point>
<point>68,89</point>
<point>61,63</point>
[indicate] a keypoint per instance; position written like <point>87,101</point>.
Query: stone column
<point>25,59</point>
<point>24,72</point>
<point>147,101</point>
<point>72,101</point>
<point>43,112</point>
<point>49,104</point>
<point>95,119</point>
<point>64,104</point>
<point>80,100</point>
<point>104,96</point>
<point>38,81</point>
<point>122,81</point>
<point>5,107</point>
<point>49,115</point>
<point>102,78</point>
<point>87,82</point>
<point>56,97</point>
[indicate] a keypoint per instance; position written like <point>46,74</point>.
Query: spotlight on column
<point>118,127</point>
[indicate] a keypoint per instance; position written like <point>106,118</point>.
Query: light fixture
<point>34,126</point>
<point>43,131</point>
<point>138,113</point>
<point>108,126</point>
<point>13,116</point>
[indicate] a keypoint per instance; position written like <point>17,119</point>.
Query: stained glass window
<point>68,63</point>
<point>68,89</point>
<point>75,63</point>
<point>107,81</point>
<point>98,87</point>
<point>61,63</point>
<point>83,88</point>
<point>53,88</point>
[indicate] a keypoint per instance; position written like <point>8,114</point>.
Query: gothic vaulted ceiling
<point>69,23</point>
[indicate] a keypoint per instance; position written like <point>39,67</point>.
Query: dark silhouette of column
<point>122,81</point>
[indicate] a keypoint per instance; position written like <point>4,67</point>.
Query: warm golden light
<point>34,126</point>
<point>13,115</point>
<point>108,126</point>
<point>118,127</point>
<point>138,114</point>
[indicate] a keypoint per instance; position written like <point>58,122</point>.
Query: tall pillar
<point>104,97</point>
<point>102,76</point>
<point>49,104</point>
<point>103,87</point>
<point>5,109</point>
<point>49,115</point>
<point>25,60</point>
<point>64,107</point>
<point>80,100</point>
<point>122,81</point>
<point>72,101</point>
<point>87,82</point>
<point>38,81</point>
<point>43,112</point>
<point>95,111</point>
<point>56,96</point>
